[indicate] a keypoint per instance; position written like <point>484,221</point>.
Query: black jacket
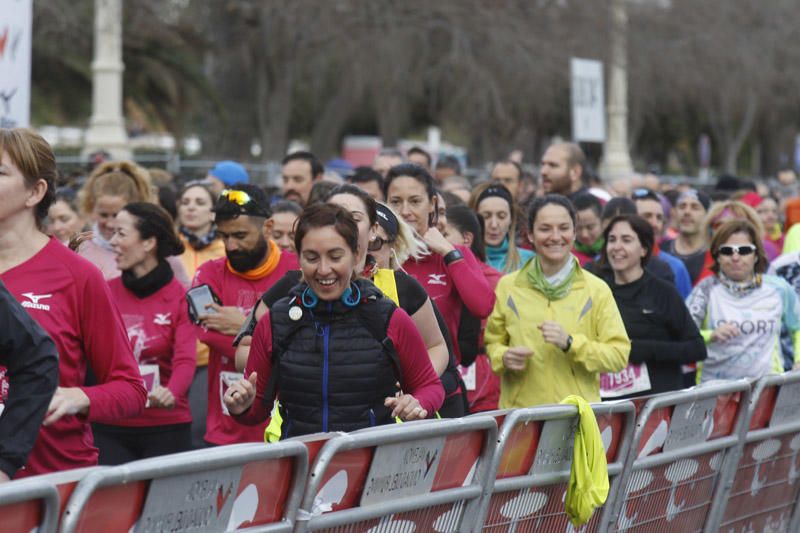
<point>31,362</point>
<point>662,332</point>
<point>333,372</point>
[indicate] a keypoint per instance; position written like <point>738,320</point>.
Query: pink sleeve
<point>215,340</point>
<point>120,392</point>
<point>184,355</point>
<point>259,360</point>
<point>471,284</point>
<point>419,378</point>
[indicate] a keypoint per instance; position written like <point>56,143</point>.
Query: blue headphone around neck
<point>350,297</point>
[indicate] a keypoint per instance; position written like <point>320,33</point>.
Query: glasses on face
<point>239,198</point>
<point>378,243</point>
<point>742,249</point>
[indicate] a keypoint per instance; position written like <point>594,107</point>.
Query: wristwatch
<point>452,256</point>
<point>569,344</point>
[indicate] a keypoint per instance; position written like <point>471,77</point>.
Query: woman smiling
<point>317,347</point>
<point>740,310</point>
<point>663,336</point>
<point>555,327</point>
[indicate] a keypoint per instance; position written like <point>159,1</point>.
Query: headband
<point>387,220</point>
<point>696,195</point>
<point>496,190</point>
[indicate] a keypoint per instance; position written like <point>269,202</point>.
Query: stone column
<point>617,160</point>
<point>107,124</point>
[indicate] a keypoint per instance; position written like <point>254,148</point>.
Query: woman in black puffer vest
<point>335,348</point>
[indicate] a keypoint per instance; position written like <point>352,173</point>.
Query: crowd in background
<point>187,314</point>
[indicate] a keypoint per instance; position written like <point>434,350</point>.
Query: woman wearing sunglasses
<point>739,309</point>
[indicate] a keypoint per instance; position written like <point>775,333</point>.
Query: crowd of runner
<point>142,314</point>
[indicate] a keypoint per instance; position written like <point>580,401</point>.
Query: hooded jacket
<point>588,313</point>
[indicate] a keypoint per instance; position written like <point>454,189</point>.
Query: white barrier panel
<point>532,465</point>
<point>219,489</point>
<point>765,484</point>
<point>420,476</point>
<point>678,458</point>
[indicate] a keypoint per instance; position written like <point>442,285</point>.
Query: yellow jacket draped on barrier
<point>588,313</point>
<point>588,477</point>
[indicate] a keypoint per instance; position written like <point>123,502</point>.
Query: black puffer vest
<point>333,372</point>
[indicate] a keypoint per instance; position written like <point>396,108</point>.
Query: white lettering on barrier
<point>786,405</point>
<point>190,502</point>
<point>556,444</point>
<point>691,424</point>
<point>403,469</point>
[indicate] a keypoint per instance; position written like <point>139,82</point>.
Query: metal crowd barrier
<point>26,507</point>
<point>240,486</point>
<point>679,457</point>
<point>531,466</point>
<point>712,458</point>
<point>418,476</point>
<point>766,475</point>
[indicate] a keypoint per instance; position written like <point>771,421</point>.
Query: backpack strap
<point>378,327</point>
<point>279,347</point>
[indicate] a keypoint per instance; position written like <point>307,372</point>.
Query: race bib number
<point>151,379</point>
<point>226,379</point>
<point>633,379</point>
<point>468,374</point>
<point>150,376</point>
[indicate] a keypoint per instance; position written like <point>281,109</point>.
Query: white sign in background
<point>16,30</point>
<point>588,101</point>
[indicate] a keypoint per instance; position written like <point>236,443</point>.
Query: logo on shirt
<point>34,301</point>
<point>162,319</point>
<point>436,279</point>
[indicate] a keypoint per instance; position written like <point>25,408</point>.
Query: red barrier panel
<point>424,478</point>
<point>681,449</point>
<point>533,464</point>
<point>29,514</point>
<point>766,484</point>
<point>218,489</point>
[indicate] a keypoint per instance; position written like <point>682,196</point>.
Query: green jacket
<point>588,313</point>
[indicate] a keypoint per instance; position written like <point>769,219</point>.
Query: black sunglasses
<point>742,249</point>
<point>378,243</point>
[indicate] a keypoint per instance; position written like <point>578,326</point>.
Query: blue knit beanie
<point>230,173</point>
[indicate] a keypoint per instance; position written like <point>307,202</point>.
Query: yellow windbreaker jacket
<point>588,313</point>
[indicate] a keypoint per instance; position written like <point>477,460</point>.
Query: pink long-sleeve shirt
<point>419,378</point>
<point>450,286</point>
<point>160,334</point>
<point>69,298</point>
<point>238,292</point>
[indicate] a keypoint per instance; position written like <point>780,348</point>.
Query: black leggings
<point>119,445</point>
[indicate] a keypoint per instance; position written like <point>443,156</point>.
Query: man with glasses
<point>690,245</point>
<point>252,264</point>
<point>650,208</point>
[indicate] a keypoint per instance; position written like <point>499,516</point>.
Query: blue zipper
<point>325,337</point>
